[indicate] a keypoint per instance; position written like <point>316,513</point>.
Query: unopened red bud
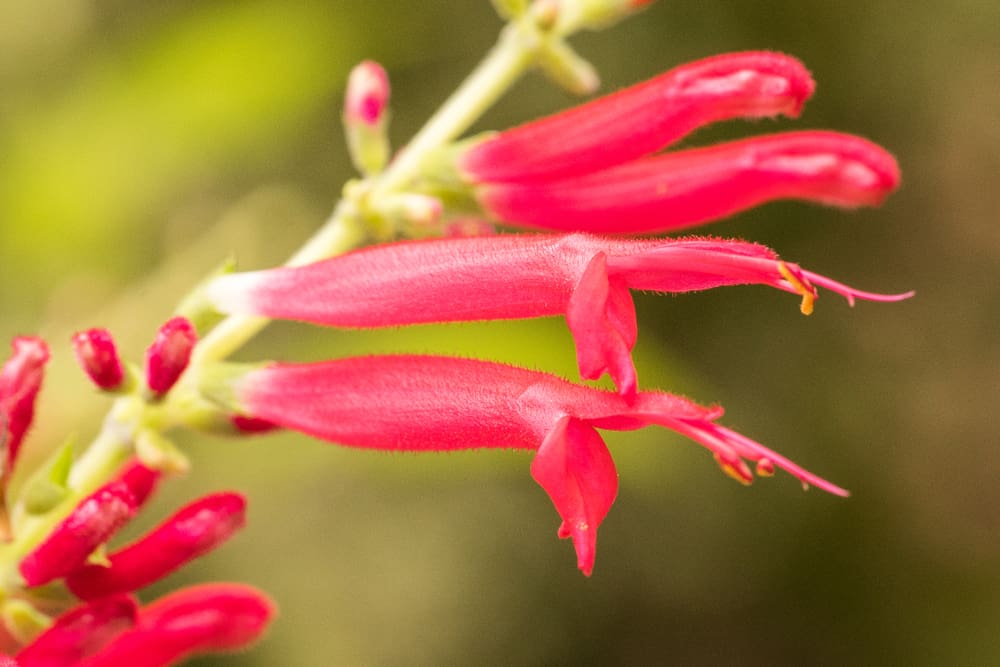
<point>198,619</point>
<point>367,94</point>
<point>87,527</point>
<point>20,381</point>
<point>195,530</point>
<point>98,356</point>
<point>80,632</point>
<point>169,354</point>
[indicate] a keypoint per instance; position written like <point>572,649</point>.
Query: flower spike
<point>685,188</point>
<point>586,278</point>
<point>641,119</point>
<point>427,403</point>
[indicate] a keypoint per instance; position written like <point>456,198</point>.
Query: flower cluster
<point>586,170</point>
<point>71,562</point>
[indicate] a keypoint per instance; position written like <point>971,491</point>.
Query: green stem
<point>498,71</point>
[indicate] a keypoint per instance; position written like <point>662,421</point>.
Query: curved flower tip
<point>641,119</point>
<point>575,468</point>
<point>691,187</point>
<point>417,403</point>
<point>20,382</point>
<point>199,619</point>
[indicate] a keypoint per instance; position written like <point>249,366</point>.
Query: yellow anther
<point>808,295</point>
<point>740,476</point>
<point>765,467</point>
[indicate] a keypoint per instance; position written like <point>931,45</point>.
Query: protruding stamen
<point>735,468</point>
<point>801,286</point>
<point>765,467</point>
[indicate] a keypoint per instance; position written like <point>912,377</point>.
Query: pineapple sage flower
<point>432,403</point>
<point>586,278</point>
<point>587,168</point>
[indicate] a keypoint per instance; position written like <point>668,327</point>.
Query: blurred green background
<point>140,143</point>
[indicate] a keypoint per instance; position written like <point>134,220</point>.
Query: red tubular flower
<point>96,352</point>
<point>80,632</point>
<point>169,354</point>
<point>20,381</point>
<point>198,619</point>
<point>690,187</point>
<point>87,527</point>
<point>641,119</point>
<point>193,531</point>
<point>586,278</point>
<point>420,403</point>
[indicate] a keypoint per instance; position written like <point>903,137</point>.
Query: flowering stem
<point>502,66</point>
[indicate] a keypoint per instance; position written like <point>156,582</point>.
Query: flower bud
<point>169,354</point>
<point>97,355</point>
<point>195,530</point>
<point>87,527</point>
<point>366,116</point>
<point>20,381</point>
<point>197,619</point>
<point>80,632</point>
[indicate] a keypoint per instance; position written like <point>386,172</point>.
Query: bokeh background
<point>141,143</point>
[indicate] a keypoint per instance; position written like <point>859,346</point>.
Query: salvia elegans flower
<point>586,278</point>
<point>641,119</point>
<point>427,403</point>
<point>589,168</point>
